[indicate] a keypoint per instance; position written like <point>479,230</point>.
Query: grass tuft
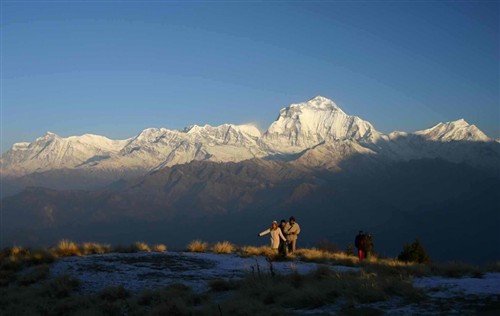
<point>457,270</point>
<point>66,248</point>
<point>197,246</point>
<point>141,247</point>
<point>159,248</point>
<point>224,247</point>
<point>248,251</point>
<point>89,248</point>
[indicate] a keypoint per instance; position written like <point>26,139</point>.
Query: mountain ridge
<point>299,129</point>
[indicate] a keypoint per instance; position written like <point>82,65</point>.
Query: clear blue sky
<point>115,68</point>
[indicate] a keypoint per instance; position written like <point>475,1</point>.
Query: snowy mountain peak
<point>458,130</point>
<point>303,125</point>
<point>47,136</point>
<point>249,129</point>
<point>316,103</point>
<point>322,102</point>
<point>460,122</point>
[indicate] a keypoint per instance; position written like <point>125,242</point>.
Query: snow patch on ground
<point>443,287</point>
<point>142,271</point>
<point>139,271</point>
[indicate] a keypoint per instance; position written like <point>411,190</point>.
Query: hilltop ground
<point>245,283</point>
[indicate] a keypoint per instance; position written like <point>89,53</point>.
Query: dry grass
<point>66,248</point>
<point>324,287</point>
<point>159,248</point>
<point>248,251</point>
<point>260,293</point>
<point>197,246</point>
<point>141,247</point>
<point>317,255</point>
<point>493,267</point>
<point>223,247</point>
<point>457,270</point>
<point>40,256</point>
<point>35,275</point>
<point>88,248</point>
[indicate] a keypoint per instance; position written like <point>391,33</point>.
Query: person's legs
<point>293,245</point>
<point>282,249</point>
<point>361,254</point>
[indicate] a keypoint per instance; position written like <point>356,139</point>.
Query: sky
<point>114,68</point>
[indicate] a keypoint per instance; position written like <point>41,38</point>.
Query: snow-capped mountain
<point>458,130</point>
<point>156,148</point>
<point>153,148</point>
<point>54,152</point>
<point>305,125</point>
<point>316,133</point>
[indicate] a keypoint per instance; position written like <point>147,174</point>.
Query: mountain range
<point>334,171</point>
<point>302,130</point>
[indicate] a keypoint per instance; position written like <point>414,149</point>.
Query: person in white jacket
<point>276,235</point>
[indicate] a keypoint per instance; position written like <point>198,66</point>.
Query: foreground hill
<point>233,280</point>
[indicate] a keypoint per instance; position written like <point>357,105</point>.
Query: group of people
<point>364,244</point>
<point>283,236</point>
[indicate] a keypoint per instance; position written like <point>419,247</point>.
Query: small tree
<point>414,252</point>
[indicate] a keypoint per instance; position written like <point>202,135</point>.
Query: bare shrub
<point>197,246</point>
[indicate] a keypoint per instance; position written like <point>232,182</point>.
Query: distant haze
<point>117,68</point>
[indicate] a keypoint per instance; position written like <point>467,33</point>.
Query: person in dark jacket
<point>282,249</point>
<point>359,242</point>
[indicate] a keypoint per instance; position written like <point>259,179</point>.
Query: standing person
<point>283,245</point>
<point>368,246</point>
<point>292,230</point>
<point>359,242</point>
<point>276,235</point>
